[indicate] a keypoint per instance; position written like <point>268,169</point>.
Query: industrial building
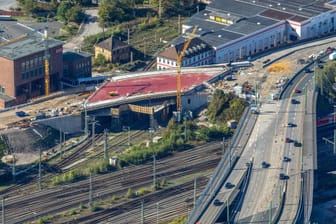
<point>76,65</point>
<point>22,66</point>
<point>237,30</point>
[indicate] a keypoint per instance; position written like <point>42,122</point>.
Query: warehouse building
<point>23,69</point>
<point>237,30</point>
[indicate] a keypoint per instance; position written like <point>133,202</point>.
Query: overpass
<point>152,95</point>
<point>269,198</point>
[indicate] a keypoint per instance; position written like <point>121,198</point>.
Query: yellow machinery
<point>178,63</point>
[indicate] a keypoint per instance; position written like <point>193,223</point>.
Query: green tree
<point>29,6</point>
<point>75,14</point>
<point>62,10</point>
<point>100,60</point>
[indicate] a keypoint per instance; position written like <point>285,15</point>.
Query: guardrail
<point>300,207</point>
<point>277,215</point>
<point>209,191</point>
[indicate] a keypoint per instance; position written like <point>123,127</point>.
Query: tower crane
<point>46,61</point>
<point>178,63</point>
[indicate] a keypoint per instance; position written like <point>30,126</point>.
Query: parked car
<point>21,114</point>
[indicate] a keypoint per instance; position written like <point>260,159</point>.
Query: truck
<point>332,56</point>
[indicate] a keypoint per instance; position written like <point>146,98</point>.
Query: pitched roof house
<point>114,50</point>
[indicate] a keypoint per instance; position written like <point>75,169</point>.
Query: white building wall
<point>319,25</point>
<point>252,44</point>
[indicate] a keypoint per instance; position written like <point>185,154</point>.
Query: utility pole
<point>154,173</point>
<point>90,191</point>
<point>93,131</point>
<point>160,9</point>
<point>334,142</point>
<point>142,213</point>
<point>270,213</point>
<point>227,211</point>
<point>195,191</point>
<point>3,211</point>
<point>185,129</point>
<point>128,35</point>
<point>157,212</point>
<point>129,135</point>
<point>105,144</point>
<point>39,168</point>
<point>85,120</point>
<point>144,50</point>
<point>179,24</point>
<point>223,146</point>
<point>39,171</point>
<point>13,167</point>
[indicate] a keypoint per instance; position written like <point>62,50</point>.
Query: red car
<point>297,91</point>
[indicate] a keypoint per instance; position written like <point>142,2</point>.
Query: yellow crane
<point>46,62</point>
<point>178,64</point>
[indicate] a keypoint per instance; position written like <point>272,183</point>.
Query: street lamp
<point>39,169</point>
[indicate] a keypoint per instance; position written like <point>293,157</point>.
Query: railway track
<point>118,210</point>
<point>31,184</point>
<point>55,200</point>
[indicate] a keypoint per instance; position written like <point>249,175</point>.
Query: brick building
<point>114,50</point>
<point>76,64</point>
<point>23,69</point>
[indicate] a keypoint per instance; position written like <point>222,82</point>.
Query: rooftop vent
<point>283,8</point>
<point>279,3</point>
<point>258,23</point>
<point>200,29</point>
<point>205,14</point>
<point>219,36</point>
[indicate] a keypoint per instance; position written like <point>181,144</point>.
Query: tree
<point>29,6</point>
<point>62,10</point>
<point>100,60</point>
<point>75,14</point>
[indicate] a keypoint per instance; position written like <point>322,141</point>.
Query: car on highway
<point>291,124</point>
<point>297,144</point>
<point>229,185</point>
<point>217,202</point>
<point>286,159</point>
<point>265,164</point>
<point>266,61</point>
<point>307,70</point>
<point>297,91</point>
<point>288,140</point>
<point>294,101</point>
<point>282,176</point>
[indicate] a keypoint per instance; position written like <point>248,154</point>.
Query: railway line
<point>173,204</point>
<point>118,144</point>
<point>60,199</point>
